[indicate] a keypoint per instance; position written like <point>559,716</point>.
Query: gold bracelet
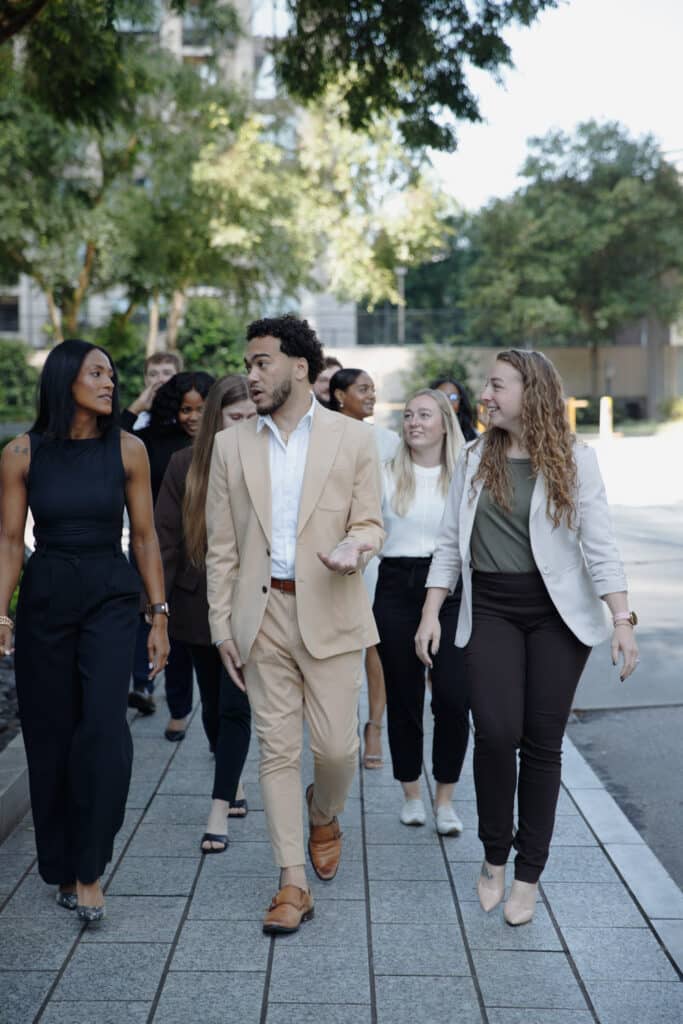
<point>6,621</point>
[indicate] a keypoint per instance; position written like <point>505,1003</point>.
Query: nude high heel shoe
<point>491,885</point>
<point>521,903</point>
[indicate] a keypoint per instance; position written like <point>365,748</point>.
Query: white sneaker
<point>413,812</point>
<point>447,821</point>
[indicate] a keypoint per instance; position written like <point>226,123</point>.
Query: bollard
<point>606,418</point>
<point>572,405</point>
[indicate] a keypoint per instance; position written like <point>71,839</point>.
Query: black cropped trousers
<point>226,717</point>
<point>76,623</point>
<point>398,604</point>
<point>524,664</point>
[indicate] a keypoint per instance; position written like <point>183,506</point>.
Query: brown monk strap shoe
<point>324,845</point>
<point>289,908</point>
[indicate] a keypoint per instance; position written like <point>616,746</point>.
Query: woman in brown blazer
<point>180,523</point>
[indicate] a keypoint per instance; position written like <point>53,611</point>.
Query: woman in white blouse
<point>416,483</point>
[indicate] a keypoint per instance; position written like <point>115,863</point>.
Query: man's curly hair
<point>545,435</point>
<point>297,340</point>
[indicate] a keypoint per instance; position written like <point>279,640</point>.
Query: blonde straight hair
<point>402,467</point>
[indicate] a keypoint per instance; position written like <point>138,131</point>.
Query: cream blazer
<point>578,566</point>
<point>340,497</point>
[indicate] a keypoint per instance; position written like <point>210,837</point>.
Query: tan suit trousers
<point>284,682</point>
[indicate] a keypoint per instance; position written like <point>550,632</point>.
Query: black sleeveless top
<point>76,490</point>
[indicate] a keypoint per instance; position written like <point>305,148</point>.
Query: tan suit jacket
<point>340,497</point>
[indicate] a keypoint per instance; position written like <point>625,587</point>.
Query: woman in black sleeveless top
<point>77,612</point>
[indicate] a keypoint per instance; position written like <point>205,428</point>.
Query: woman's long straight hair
<point>224,392</point>
<point>56,406</point>
<point>402,466</point>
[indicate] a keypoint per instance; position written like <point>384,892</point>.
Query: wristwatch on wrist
<point>156,609</point>
<point>625,618</point>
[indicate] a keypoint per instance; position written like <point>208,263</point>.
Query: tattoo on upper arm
<point>18,450</point>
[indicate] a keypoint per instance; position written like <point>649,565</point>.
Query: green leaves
<point>407,59</point>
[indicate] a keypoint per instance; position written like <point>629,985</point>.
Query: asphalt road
<point>631,734</point>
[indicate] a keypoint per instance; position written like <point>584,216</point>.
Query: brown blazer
<point>185,584</point>
<point>340,497</point>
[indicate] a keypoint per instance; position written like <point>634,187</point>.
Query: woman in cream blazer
<point>527,526</point>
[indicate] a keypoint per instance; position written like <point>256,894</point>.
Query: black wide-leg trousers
<point>398,604</point>
<point>76,623</point>
<point>226,717</point>
<point>524,665</point>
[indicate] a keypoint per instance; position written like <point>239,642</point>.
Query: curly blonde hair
<point>401,466</point>
<point>545,435</point>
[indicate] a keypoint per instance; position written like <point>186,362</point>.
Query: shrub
<point>672,409</point>
<point>212,337</point>
<point>434,362</point>
<point>18,382</point>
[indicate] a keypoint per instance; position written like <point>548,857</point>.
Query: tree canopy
<point>407,59</point>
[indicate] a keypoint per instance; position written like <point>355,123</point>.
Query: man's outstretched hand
<point>344,558</point>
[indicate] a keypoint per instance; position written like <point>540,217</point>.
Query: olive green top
<point>500,540</point>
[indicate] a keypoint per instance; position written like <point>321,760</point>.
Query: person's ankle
<point>294,876</point>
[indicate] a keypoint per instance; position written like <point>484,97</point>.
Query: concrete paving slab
<point>652,886</point>
<point>202,947</point>
<point>170,841</point>
<point>37,943</point>
<point>489,931</point>
<point>671,934</point>
<point>405,864</point>
<point>443,1000</point>
<point>139,919</point>
<point>602,905</point>
<point>465,847</point>
<point>212,998</point>
<point>213,900</point>
<point>498,1016</point>
<point>301,975</point>
<point>605,817</point>
<point>297,1013</point>
<point>131,971</point>
<point>578,864</point>
<point>527,980</point>
<point>22,994</point>
<point>606,953</point>
<point>101,1013</point>
<point>166,876</point>
<point>421,903</point>
<point>339,924</point>
<point>423,950</point>
<point>621,1000</point>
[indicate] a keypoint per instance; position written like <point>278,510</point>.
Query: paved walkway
<point>398,937</point>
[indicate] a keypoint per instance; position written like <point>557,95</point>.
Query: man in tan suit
<point>293,514</point>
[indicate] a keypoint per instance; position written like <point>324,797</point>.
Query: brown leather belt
<point>284,586</point>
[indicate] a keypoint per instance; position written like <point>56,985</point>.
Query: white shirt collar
<point>306,421</point>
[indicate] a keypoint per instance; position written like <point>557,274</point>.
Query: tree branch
<point>15,17</point>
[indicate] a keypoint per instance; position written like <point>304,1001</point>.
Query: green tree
<point>18,382</point>
<point>593,243</point>
<point>434,362</point>
<point>212,337</point>
<point>405,58</point>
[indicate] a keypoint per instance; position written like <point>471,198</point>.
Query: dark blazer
<point>185,583</point>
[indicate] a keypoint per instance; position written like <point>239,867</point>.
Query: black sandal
<point>210,837</point>
<point>238,805</point>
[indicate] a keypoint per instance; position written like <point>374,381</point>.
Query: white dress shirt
<point>414,534</point>
<point>287,465</point>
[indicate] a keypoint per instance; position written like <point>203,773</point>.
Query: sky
<point>602,59</point>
